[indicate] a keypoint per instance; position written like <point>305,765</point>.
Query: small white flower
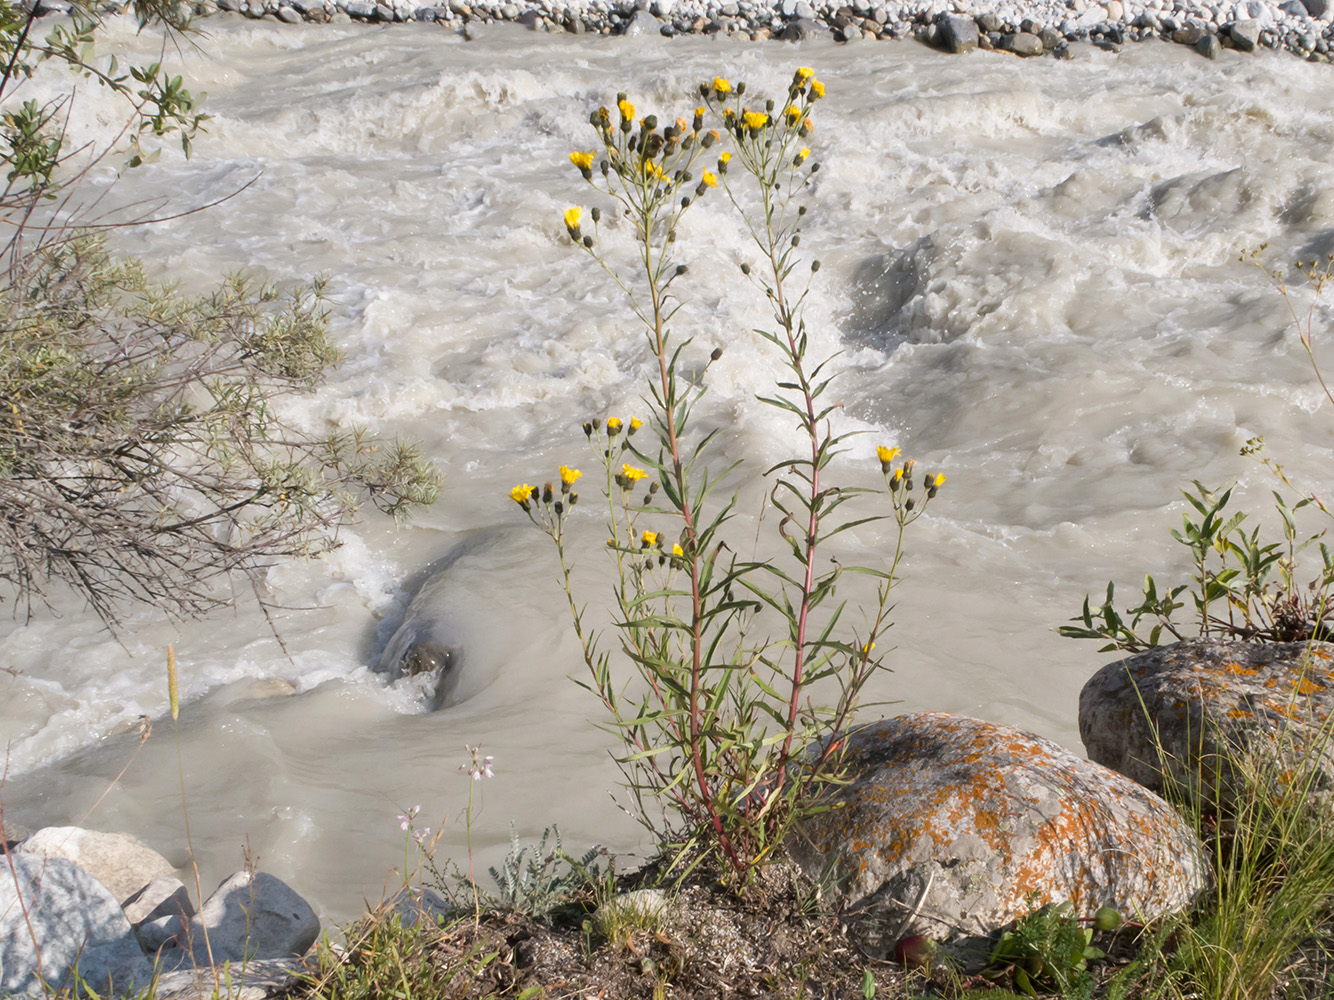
<point>479,767</point>
<point>408,817</point>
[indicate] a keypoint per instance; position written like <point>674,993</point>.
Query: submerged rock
<point>1213,706</point>
<point>953,828</point>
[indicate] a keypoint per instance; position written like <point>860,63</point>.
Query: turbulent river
<point>1030,269</point>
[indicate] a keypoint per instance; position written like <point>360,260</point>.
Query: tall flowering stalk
<point>721,726</point>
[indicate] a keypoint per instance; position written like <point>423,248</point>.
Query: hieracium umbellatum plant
<point>710,684</point>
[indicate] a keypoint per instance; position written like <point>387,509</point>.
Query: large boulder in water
<point>1213,706</point>
<point>953,828</point>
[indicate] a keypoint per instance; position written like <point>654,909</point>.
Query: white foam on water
<point>1030,268</point>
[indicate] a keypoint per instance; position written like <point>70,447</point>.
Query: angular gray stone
<point>253,981</point>
<point>952,828</point>
<point>249,916</point>
<point>958,34</point>
<point>804,27</point>
<point>1245,35</point>
<point>157,899</point>
<point>76,926</point>
<point>120,862</point>
<point>289,15</point>
<point>1209,46</point>
<point>1211,702</point>
<point>643,23</point>
<point>1022,44</point>
<point>1319,9</point>
<point>1189,35</point>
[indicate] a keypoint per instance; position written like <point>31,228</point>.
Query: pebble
<point>1304,28</point>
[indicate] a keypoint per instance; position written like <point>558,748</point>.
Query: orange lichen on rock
<point>969,824</point>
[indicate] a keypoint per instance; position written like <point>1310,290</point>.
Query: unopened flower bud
<point>796,241</point>
<point>740,88</point>
<point>680,270</point>
<point>588,429</point>
<point>547,493</point>
<point>909,504</point>
<point>596,213</point>
<point>651,122</point>
<point>717,353</point>
<point>685,201</point>
<point>745,269</point>
<point>574,499</point>
<point>588,242</point>
<point>560,508</point>
<point>653,487</point>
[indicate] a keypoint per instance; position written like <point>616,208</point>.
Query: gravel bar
<point>1023,28</point>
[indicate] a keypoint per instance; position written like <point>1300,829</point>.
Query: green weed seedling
<point>1047,950</point>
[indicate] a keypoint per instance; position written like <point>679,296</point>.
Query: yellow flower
<point>886,454</point>
<point>804,74</point>
<point>898,475</point>
<point>635,424</point>
<point>584,161</point>
<point>710,179</point>
<point>817,90</point>
<point>940,478</point>
<point>627,111</point>
<point>699,112</point>
<point>792,113</point>
<point>568,475</point>
<point>521,493</point>
<point>613,426</point>
<point>866,649</point>
<point>755,120</point>
<point>721,86</point>
<point>800,158</point>
<point>632,474</point>
<point>652,169</point>
<point>724,157</point>
<point>573,216</point>
<point>677,551</point>
<point>649,539</point>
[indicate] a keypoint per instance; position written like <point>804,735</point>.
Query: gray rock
<point>383,12</point>
<point>249,916</point>
<point>1319,9</point>
<point>1115,10</point>
<point>75,921</point>
<point>1209,46</point>
<point>233,6</point>
<point>1189,35</point>
<point>288,15</point>
<point>1051,39</point>
<point>952,828</point>
<point>1294,8</point>
<point>643,23</point>
<point>253,981</point>
<point>1212,702</point>
<point>359,9</point>
<point>1244,34</point>
<point>988,22</point>
<point>120,862</point>
<point>158,898</point>
<point>414,904</point>
<point>1022,44</point>
<point>803,28</point>
<point>957,33</point>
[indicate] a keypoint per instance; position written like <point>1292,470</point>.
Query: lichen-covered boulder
<point>953,828</point>
<point>1219,709</point>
